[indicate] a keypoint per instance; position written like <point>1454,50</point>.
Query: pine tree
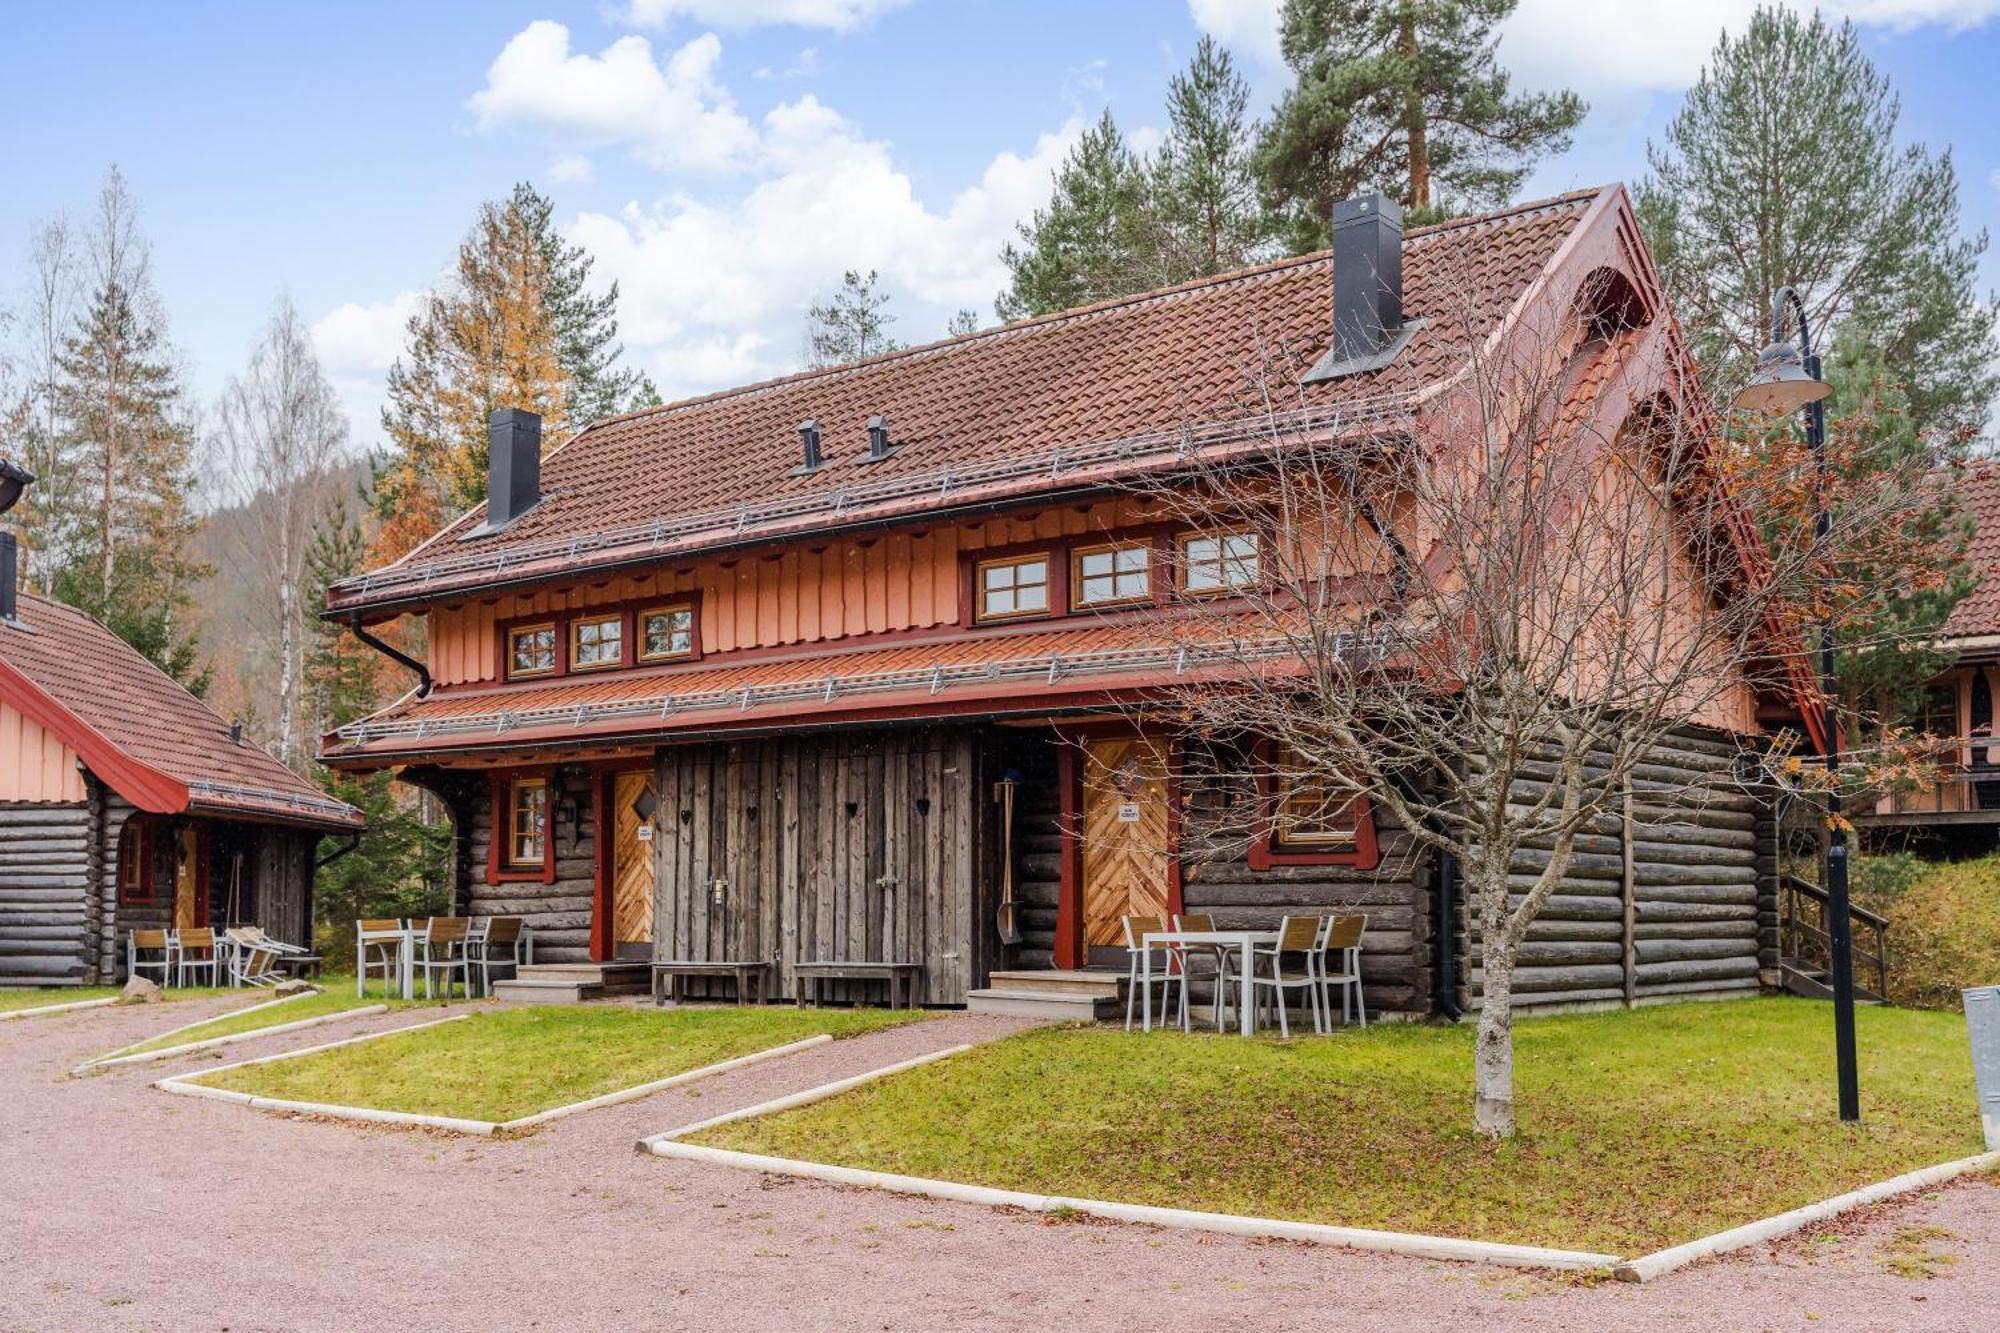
<point>850,325</point>
<point>586,326</point>
<point>1096,239</point>
<point>490,338</point>
<point>126,530</point>
<point>1783,167</point>
<point>1405,97</point>
<point>1204,181</point>
<point>962,322</point>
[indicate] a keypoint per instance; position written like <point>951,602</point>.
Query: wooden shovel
<point>1010,927</point>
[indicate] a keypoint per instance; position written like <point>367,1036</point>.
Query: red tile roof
<point>986,671</point>
<point>141,733</point>
<point>1978,615</point>
<point>1047,404</point>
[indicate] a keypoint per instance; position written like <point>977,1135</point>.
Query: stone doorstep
<point>1058,1005</point>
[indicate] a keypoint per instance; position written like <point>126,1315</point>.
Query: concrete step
<point>603,978</point>
<point>1067,981</point>
<point>547,992</point>
<point>1057,1005</point>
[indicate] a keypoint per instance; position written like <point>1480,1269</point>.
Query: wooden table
<point>748,975</point>
<point>809,975</point>
<point>1243,940</point>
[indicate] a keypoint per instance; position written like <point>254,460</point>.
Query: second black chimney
<point>513,465</point>
<point>1368,324</point>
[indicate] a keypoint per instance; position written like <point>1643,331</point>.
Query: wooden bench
<point>748,975</point>
<point>810,975</point>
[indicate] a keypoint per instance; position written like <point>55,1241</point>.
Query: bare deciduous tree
<point>281,433</point>
<point>1486,608</point>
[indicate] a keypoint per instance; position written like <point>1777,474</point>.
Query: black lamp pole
<point>1773,370</point>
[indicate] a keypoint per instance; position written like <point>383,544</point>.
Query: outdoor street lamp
<point>1788,379</point>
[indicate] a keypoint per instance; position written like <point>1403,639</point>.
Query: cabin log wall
<point>1666,902</point>
<point>558,913</point>
<point>45,893</point>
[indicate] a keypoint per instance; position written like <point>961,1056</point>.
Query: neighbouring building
<point>127,802</point>
<point>738,677</point>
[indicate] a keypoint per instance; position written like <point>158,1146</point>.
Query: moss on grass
<point>503,1064</point>
<point>1639,1129</point>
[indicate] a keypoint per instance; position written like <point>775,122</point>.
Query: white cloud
<point>713,293</point>
<point>840,15</point>
<point>1600,49</point>
<point>672,113</point>
<point>357,343</point>
<point>572,169</point>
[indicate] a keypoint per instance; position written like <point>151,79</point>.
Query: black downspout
<point>394,654</point>
<point>353,841</point>
<point>1447,985</point>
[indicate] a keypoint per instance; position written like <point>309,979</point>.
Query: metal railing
<point>1954,790</point>
<point>1806,945</point>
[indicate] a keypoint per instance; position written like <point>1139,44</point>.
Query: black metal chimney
<point>1367,274</point>
<point>1368,324</point>
<point>879,447</point>
<point>14,479</point>
<point>809,447</point>
<point>513,465</point>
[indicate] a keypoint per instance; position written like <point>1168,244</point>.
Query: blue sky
<point>724,159</point>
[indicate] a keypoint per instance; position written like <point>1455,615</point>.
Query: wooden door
<point>1126,836</point>
<point>633,799</point>
<point>189,909</point>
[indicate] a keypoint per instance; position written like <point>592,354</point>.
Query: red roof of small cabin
<point>139,731</point>
<point>1978,615</point>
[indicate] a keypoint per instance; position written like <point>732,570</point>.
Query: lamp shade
<point>1781,385</point>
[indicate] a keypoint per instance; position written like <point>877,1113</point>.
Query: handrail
<point>1818,894</point>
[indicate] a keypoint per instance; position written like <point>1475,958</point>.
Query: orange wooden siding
<point>804,595</point>
<point>34,764</point>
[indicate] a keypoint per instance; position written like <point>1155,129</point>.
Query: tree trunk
<point>1413,119</point>
<point>1493,1044</point>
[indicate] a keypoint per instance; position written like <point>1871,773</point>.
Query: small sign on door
<point>645,833</point>
<point>1128,812</point>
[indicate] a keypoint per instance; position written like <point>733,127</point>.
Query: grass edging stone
<point>229,1039</point>
<point>8,1015</point>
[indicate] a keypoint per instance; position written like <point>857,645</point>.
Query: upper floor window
<point>531,650</point>
<point>527,821</point>
<point>1112,575</point>
<point>1009,589</point>
<point>1219,562</point>
<point>666,632</point>
<point>597,642</point>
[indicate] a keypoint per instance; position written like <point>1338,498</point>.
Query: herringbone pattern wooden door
<point>631,863</point>
<point>1125,835</point>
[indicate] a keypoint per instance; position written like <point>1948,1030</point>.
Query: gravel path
<point>124,1208</point>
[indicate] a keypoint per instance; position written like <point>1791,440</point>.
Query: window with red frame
<point>527,823</point>
<point>1309,818</point>
<point>137,880</point>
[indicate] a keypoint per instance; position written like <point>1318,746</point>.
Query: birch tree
<point>280,431</point>
<point>42,323</point>
<point>1487,615</point>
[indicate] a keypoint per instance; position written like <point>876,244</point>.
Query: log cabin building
<point>127,802</point>
<point>739,677</point>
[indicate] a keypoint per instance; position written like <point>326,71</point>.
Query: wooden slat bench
<point>908,975</point>
<point>748,976</point>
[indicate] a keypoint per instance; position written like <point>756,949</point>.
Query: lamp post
<point>1788,379</point>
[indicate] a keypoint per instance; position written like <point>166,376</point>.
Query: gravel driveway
<point>124,1208</point>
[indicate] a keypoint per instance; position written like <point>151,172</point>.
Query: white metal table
<point>405,939</point>
<point>1242,940</point>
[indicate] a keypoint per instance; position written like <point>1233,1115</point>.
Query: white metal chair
<point>252,960</point>
<point>157,942</point>
<point>195,950</point>
<point>384,953</point>
<point>1338,963</point>
<point>1164,969</point>
<point>1218,955</point>
<point>441,952</point>
<point>1298,937</point>
<point>493,942</point>
<point>296,958</point>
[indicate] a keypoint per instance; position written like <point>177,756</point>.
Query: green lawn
<point>335,999</point>
<point>502,1064</point>
<point>1639,1129</point>
<point>14,997</point>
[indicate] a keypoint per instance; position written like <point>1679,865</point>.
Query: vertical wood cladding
<point>857,846</point>
<point>1671,904</point>
<point>803,595</point>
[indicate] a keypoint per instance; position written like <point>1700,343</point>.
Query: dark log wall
<point>45,893</point>
<point>860,846</point>
<point>110,812</point>
<point>1667,903</point>
<point>558,913</point>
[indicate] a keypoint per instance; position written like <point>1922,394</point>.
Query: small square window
<point>1219,563</point>
<point>1009,589</point>
<point>527,821</point>
<point>1313,811</point>
<point>531,650</point>
<point>666,632</point>
<point>1112,575</point>
<point>596,642</point>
